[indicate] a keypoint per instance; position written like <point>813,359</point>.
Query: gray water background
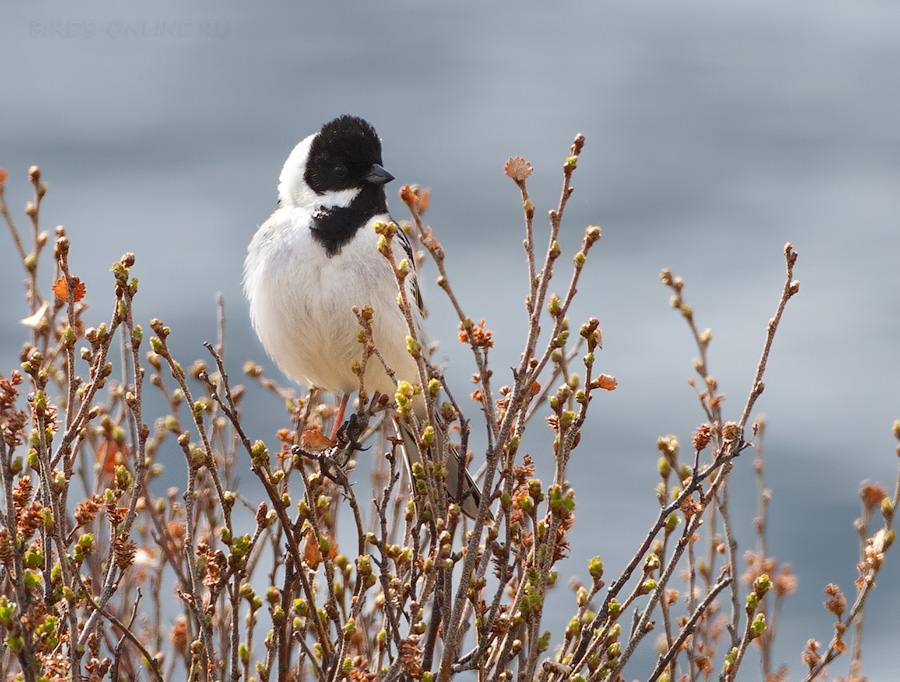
<point>715,133</point>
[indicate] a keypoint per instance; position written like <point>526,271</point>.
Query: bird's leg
<point>339,417</point>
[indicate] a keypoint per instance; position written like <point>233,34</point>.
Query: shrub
<point>90,553</point>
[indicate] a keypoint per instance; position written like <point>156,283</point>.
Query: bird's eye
<point>340,170</point>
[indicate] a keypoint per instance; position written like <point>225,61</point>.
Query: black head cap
<point>342,156</point>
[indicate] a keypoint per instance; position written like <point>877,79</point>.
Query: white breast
<point>301,304</point>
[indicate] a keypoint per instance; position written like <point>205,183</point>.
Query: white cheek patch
<point>340,198</point>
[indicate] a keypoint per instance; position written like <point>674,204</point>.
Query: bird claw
<point>349,433</point>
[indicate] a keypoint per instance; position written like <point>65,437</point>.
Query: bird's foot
<point>349,434</point>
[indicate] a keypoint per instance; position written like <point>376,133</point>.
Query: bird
<point>316,258</point>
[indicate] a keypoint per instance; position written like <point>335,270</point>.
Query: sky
<point>715,134</point>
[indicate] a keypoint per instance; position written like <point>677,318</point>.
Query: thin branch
<point>688,628</point>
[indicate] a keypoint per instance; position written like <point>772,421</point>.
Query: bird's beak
<point>378,175</point>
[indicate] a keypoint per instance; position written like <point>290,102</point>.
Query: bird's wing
<point>413,280</point>
<point>461,487</point>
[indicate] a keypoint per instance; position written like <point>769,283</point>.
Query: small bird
<point>316,257</point>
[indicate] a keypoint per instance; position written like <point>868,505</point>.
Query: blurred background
<point>715,133</point>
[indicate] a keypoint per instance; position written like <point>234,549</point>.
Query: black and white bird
<point>316,257</point>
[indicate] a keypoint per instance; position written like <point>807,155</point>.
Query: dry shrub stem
<point>408,587</point>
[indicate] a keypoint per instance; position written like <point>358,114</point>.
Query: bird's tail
<point>460,485</point>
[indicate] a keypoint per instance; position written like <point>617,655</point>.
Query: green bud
<point>762,584</point>
<point>758,626</point>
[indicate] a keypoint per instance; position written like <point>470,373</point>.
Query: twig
<point>688,628</point>
<point>791,287</point>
